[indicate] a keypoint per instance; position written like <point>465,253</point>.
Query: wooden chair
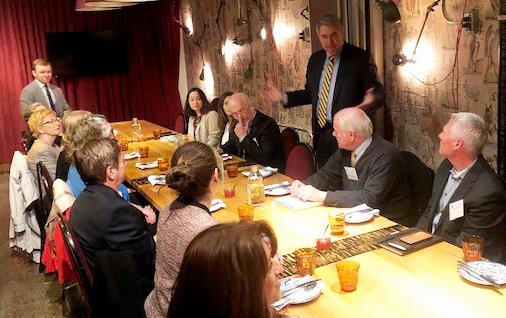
<point>300,163</point>
<point>79,304</point>
<point>42,207</point>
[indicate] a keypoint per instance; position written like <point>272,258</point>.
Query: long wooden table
<point>422,284</point>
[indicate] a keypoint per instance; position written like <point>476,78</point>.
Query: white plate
<point>358,217</point>
<point>302,296</point>
<point>278,191</point>
<point>495,271</point>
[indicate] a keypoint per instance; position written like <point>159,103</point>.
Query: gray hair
<point>354,119</point>
<point>94,126</point>
<point>471,128</point>
<point>330,20</point>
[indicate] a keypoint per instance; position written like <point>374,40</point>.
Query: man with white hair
<point>365,169</point>
<point>256,136</point>
<point>467,196</point>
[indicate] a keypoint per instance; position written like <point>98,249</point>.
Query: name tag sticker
<point>351,173</point>
<point>456,209</point>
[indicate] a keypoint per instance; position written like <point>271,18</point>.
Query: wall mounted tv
<point>88,53</point>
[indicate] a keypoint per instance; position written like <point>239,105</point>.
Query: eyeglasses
<point>52,121</point>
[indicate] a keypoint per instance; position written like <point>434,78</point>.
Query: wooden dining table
<point>422,284</point>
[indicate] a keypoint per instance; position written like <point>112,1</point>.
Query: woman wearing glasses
<point>45,127</point>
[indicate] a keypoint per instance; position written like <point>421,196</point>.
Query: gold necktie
<point>353,159</point>
<point>324,94</point>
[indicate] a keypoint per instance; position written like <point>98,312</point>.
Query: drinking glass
<point>348,274</point>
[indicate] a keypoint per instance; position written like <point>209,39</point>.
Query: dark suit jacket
<point>382,182</point>
<point>484,209</point>
<point>356,74</point>
<point>32,93</point>
<point>103,221</point>
<point>262,145</point>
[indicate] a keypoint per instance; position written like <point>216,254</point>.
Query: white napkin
<point>265,172</point>
<point>132,155</point>
<point>277,185</point>
<point>171,138</point>
<point>217,204</point>
<point>362,208</point>
<point>156,179</point>
<point>147,165</point>
<point>226,157</point>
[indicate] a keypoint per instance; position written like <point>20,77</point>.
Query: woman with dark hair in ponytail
<point>194,175</point>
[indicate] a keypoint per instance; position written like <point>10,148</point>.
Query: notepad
<point>294,203</point>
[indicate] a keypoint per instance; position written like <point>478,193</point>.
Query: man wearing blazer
<point>467,196</point>
<point>40,90</point>
<point>256,136</point>
<point>365,169</point>
<point>105,224</point>
<point>338,76</point>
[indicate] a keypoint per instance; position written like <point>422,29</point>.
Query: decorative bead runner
<point>342,249</point>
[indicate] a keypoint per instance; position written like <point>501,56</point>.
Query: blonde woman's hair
<point>70,122</point>
<point>36,120</point>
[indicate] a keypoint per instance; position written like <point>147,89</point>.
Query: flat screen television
<point>88,53</point>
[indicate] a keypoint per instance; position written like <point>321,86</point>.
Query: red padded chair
<point>179,124</point>
<point>300,163</point>
<point>290,138</point>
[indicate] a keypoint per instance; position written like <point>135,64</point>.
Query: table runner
<point>342,249</point>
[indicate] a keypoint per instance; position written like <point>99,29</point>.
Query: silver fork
<point>286,299</point>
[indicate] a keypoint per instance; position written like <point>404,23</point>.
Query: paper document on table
<point>295,203</point>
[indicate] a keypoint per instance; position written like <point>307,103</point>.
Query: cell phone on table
<point>416,237</point>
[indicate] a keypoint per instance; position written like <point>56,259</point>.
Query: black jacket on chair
<point>262,144</point>
<point>484,209</point>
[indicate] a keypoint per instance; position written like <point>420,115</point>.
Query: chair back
<point>77,260</point>
<point>300,163</point>
<point>43,206</point>
<point>45,185</point>
<point>179,124</point>
<point>290,138</point>
<point>420,179</point>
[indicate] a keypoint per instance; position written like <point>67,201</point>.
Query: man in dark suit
<point>338,76</point>
<point>40,90</point>
<point>109,229</point>
<point>256,136</point>
<point>467,196</point>
<point>365,169</point>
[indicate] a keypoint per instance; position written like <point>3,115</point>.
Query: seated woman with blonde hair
<point>70,121</point>
<point>194,175</point>
<point>45,127</point>
<point>202,120</point>
<point>228,270</point>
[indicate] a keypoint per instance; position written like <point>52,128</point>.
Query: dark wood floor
<point>23,291</point>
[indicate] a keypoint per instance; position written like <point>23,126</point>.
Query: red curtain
<point>149,91</point>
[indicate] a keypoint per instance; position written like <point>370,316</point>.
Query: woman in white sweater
<point>202,120</point>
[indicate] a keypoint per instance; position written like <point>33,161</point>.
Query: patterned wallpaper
<point>283,59</point>
<point>419,98</point>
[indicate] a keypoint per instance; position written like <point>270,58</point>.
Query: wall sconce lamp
<point>401,59</point>
<point>390,11</point>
